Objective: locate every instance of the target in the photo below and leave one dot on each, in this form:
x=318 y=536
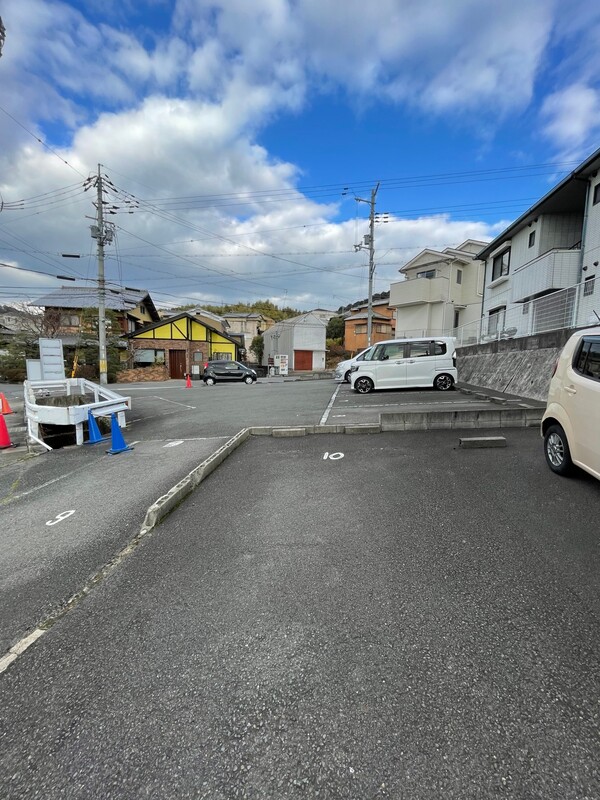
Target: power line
x=37 y=138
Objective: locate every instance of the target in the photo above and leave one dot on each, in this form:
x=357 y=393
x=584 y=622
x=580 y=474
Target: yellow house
x=182 y=343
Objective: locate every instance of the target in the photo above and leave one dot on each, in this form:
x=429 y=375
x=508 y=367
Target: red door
x=177 y=363
x=303 y=359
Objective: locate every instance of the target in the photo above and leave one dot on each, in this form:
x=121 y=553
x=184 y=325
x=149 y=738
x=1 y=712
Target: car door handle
x=570 y=390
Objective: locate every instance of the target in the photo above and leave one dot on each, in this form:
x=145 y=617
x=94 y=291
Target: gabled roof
x=365 y=314
x=433 y=257
x=244 y=315
x=175 y=318
x=567 y=196
x=86 y=297
x=296 y=320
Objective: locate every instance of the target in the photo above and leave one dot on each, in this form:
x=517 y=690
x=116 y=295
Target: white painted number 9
x=60 y=517
x=333 y=456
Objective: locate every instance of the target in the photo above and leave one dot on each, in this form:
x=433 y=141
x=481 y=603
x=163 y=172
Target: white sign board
x=52 y=359
x=282 y=363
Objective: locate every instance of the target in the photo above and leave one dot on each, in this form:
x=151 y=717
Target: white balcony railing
x=554 y=270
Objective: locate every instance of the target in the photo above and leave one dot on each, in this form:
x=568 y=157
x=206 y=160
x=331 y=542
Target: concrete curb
x=165 y=504
x=436 y=420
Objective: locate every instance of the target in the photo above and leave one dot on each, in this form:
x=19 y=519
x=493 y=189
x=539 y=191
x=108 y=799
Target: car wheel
x=347 y=377
x=443 y=382
x=556 y=448
x=209 y=381
x=248 y=379
x=363 y=385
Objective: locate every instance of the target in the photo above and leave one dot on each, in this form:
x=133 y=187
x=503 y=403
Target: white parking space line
x=173 y=444
x=328 y=409
x=165 y=400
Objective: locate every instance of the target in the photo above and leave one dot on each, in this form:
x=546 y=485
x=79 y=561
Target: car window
x=419 y=349
x=393 y=350
x=366 y=355
x=587 y=361
x=439 y=348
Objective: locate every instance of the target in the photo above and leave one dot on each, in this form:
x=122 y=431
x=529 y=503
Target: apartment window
x=496 y=319
x=597 y=194
x=456 y=319
x=459 y=275
x=428 y=273
x=531 y=238
x=501 y=264
x=142 y=309
x=358 y=329
x=589 y=283
x=525 y=309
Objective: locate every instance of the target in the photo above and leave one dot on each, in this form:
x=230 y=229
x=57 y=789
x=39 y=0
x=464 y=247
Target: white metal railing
x=574 y=307
x=105 y=402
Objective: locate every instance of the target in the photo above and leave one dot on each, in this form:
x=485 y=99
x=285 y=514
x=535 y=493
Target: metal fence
x=574 y=307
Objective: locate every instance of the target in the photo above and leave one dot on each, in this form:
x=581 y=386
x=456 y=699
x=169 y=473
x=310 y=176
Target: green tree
x=335 y=329
x=258 y=348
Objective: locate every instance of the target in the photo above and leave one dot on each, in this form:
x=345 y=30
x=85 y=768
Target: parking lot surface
x=333 y=617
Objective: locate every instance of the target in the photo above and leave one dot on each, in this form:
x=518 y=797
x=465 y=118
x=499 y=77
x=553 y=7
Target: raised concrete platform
x=481 y=441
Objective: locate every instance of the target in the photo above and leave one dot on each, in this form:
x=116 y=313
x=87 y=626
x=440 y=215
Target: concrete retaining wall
x=517 y=366
x=522 y=372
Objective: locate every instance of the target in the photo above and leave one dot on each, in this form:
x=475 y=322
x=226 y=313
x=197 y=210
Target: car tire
x=209 y=381
x=556 y=450
x=248 y=379
x=347 y=377
x=443 y=382
x=363 y=385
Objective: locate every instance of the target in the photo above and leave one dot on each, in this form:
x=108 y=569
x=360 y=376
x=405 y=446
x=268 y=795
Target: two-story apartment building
x=442 y=290
x=542 y=272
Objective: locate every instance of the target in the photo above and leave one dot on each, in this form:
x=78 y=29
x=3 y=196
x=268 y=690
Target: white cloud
x=175 y=111
x=571 y=116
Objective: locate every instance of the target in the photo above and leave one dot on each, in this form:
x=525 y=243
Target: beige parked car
x=571 y=422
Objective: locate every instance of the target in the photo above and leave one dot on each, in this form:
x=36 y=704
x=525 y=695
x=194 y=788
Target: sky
x=240 y=141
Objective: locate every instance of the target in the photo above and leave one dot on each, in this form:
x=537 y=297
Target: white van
x=404 y=363
x=343 y=369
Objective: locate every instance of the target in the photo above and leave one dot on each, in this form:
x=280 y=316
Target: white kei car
x=571 y=422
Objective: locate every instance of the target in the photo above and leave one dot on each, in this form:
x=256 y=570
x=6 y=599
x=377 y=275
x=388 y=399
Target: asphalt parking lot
x=332 y=616
x=383 y=615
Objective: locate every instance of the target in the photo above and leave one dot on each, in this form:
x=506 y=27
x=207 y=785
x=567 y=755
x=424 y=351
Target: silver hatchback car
x=571 y=422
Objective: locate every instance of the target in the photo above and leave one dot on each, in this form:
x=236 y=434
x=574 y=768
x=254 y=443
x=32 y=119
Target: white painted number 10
x=333 y=456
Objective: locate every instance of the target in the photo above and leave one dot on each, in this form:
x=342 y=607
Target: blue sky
x=244 y=130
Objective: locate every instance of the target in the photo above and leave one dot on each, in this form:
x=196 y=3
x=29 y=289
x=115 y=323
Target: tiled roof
x=84 y=297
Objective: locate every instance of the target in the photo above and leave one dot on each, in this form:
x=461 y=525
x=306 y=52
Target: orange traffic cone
x=188 y=382
x=4 y=437
x=4 y=407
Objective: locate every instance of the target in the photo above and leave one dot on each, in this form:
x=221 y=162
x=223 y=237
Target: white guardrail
x=105 y=403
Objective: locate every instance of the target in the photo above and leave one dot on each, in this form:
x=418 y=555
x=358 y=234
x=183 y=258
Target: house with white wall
x=441 y=290
x=542 y=273
x=301 y=338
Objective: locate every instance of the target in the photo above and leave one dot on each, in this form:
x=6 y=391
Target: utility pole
x=369 y=243
x=102 y=233
x=101 y=285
